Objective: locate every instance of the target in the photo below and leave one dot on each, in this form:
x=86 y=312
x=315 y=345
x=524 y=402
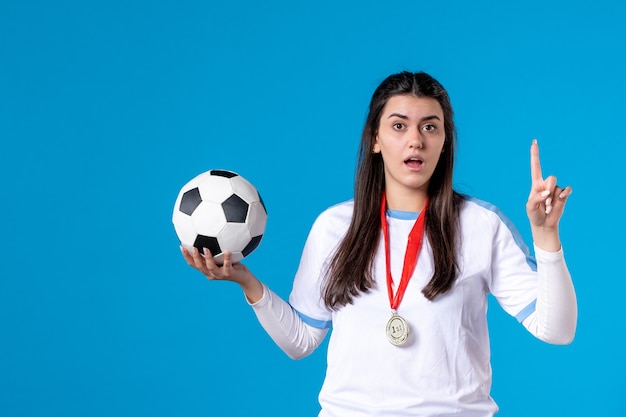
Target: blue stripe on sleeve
x=530 y=260
x=526 y=311
x=318 y=324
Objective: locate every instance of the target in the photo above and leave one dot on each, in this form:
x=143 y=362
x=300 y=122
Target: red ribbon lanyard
x=413 y=246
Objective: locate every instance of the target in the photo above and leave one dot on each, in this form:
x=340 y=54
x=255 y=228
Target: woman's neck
x=406 y=201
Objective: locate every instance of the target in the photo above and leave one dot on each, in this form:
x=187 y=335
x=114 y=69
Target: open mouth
x=414 y=162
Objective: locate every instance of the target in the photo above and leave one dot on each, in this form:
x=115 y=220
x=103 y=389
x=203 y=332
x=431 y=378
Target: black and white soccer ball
x=221 y=211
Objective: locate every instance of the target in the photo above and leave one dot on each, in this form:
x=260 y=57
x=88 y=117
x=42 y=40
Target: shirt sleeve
x=282 y=323
x=306 y=295
x=556 y=313
x=538 y=291
x=513 y=271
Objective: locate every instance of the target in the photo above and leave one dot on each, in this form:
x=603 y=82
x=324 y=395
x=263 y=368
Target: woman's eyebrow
x=423 y=119
x=431 y=117
x=401 y=116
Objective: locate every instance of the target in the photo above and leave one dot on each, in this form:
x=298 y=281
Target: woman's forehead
x=411 y=106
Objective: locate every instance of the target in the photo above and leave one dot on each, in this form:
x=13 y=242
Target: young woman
x=402 y=271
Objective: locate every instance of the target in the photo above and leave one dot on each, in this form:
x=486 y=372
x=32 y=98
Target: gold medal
x=397 y=330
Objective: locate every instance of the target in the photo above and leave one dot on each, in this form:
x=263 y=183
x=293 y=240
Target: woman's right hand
x=228 y=271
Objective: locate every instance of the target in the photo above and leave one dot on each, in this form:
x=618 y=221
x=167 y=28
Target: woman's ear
x=376 y=148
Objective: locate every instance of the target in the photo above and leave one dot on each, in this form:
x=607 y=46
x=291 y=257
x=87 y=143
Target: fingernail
x=545 y=193
x=548 y=201
x=562 y=195
x=535 y=141
x=548 y=209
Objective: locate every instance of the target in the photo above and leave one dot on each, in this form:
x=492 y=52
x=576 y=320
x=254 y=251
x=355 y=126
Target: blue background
x=107 y=108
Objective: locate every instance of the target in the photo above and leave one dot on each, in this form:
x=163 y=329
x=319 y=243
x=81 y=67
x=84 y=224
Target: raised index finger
x=535 y=165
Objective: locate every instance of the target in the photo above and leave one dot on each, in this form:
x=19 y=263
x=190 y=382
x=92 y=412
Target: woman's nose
x=416 y=139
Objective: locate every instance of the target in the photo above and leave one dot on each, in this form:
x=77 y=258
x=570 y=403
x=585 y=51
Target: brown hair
x=350 y=269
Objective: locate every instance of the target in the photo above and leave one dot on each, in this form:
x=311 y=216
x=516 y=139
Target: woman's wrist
x=252 y=288
x=548 y=240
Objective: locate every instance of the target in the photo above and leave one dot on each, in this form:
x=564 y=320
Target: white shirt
x=444 y=367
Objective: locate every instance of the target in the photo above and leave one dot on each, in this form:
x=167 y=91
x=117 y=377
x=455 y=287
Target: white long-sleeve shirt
x=444 y=368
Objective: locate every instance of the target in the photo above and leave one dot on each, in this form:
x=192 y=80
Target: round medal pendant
x=397 y=330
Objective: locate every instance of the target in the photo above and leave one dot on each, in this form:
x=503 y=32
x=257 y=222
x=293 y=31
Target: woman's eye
x=429 y=128
x=398 y=126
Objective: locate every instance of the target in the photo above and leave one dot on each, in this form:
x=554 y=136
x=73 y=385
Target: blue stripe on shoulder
x=526 y=311
x=318 y=324
x=530 y=260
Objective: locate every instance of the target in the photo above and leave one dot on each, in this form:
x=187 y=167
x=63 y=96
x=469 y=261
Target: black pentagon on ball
x=235 y=209
x=208 y=242
x=223 y=173
x=251 y=246
x=190 y=201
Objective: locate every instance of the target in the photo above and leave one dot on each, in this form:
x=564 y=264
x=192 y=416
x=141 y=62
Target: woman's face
x=410 y=140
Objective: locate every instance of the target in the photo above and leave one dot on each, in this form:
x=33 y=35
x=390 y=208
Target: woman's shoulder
x=333 y=222
x=477 y=211
x=337 y=214
x=473 y=204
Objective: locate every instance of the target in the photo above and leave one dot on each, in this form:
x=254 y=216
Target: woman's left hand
x=546 y=200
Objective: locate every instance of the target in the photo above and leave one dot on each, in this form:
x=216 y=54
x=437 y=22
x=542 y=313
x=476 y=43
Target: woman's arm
x=554 y=319
x=555 y=316
x=283 y=324
x=280 y=321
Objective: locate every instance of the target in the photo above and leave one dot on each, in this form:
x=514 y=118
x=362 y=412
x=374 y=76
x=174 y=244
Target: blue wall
x=107 y=108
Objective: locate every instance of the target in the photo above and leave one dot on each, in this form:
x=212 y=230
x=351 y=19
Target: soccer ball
x=221 y=211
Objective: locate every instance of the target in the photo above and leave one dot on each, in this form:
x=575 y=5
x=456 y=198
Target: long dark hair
x=350 y=269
